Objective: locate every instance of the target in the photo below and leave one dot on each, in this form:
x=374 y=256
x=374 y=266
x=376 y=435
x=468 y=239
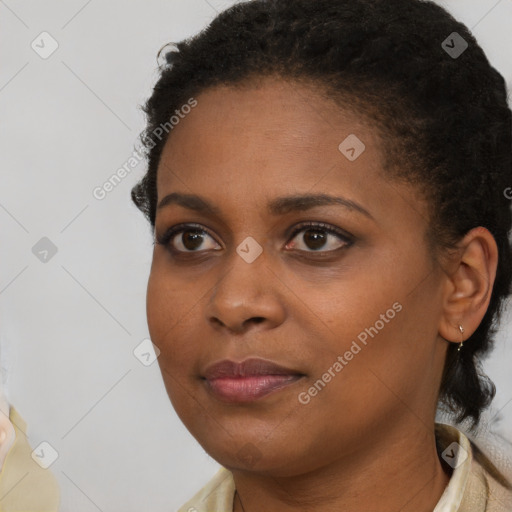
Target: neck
x=397 y=472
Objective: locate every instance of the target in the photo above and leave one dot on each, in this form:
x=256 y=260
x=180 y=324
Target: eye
x=317 y=235
x=189 y=238
x=193 y=238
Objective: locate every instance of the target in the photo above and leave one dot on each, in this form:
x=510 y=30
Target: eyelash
x=169 y=235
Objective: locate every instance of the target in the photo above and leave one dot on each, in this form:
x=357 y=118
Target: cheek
x=168 y=297
x=166 y=307
x=171 y=308
x=174 y=307
x=157 y=310
x=165 y=314
x=372 y=321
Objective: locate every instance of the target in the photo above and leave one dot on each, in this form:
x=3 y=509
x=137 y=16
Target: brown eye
x=192 y=240
x=188 y=239
x=318 y=236
x=314 y=239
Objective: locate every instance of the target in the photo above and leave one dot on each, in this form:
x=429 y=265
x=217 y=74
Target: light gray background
x=69 y=326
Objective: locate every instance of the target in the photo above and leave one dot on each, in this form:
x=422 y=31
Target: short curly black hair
x=444 y=117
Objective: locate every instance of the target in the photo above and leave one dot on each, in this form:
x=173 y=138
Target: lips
x=248 y=380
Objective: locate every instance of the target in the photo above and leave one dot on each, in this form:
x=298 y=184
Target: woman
x=331 y=253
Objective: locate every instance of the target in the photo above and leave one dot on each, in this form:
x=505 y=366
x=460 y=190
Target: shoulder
x=497 y=484
x=217 y=495
x=476 y=485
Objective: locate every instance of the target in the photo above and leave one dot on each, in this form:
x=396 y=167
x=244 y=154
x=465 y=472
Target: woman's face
x=350 y=308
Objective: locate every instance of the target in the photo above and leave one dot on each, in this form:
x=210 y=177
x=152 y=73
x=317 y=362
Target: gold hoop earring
x=461 y=329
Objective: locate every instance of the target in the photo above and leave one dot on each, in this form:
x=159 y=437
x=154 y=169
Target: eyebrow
x=278 y=206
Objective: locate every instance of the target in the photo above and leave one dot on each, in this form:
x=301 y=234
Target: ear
x=468 y=285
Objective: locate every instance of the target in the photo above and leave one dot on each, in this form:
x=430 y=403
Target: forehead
x=265 y=134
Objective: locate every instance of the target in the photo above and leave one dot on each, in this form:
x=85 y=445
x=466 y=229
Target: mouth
x=248 y=380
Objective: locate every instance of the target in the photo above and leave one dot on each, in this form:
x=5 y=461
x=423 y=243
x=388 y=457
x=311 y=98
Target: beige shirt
x=472 y=486
x=24 y=485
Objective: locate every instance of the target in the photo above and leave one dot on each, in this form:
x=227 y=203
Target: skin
x=366 y=441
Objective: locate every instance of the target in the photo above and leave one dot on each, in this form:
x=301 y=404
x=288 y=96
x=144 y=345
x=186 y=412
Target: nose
x=245 y=296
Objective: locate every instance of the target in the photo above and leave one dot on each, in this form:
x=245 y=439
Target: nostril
x=255 y=320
